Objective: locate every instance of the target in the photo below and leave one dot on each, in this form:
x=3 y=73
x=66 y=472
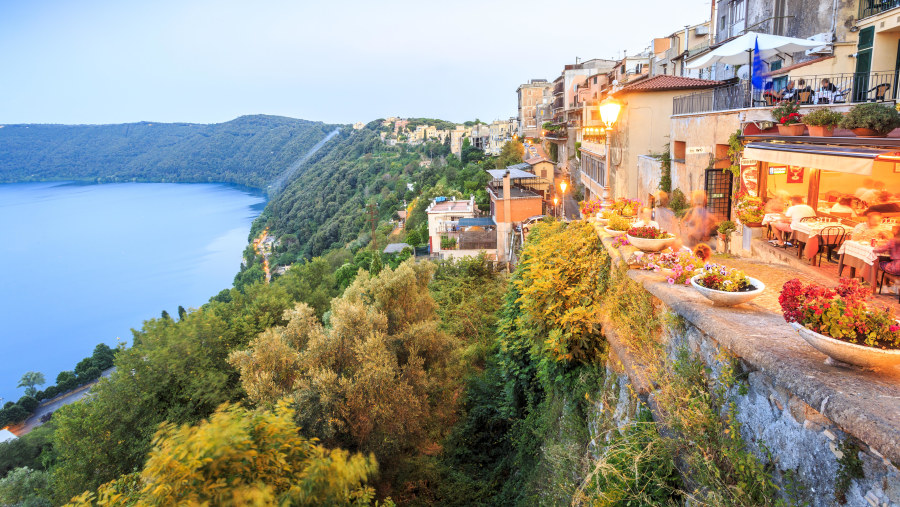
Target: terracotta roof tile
x=666 y=82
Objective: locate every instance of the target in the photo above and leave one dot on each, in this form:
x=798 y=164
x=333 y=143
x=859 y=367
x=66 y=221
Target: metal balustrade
x=849 y=88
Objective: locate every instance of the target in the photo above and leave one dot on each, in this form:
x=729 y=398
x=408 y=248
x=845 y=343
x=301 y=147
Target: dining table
x=859 y=255
x=810 y=234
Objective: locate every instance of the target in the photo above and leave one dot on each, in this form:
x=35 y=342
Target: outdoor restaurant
x=852 y=188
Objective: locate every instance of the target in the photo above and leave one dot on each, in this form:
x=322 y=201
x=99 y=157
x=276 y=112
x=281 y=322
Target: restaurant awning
x=845 y=159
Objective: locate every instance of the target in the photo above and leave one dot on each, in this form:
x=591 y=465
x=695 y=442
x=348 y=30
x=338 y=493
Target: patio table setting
x=860 y=255
x=810 y=234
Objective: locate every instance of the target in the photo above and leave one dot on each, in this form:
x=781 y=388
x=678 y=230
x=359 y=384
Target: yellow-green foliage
x=240 y=457
x=563 y=275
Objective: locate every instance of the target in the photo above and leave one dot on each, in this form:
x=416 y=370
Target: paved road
x=53 y=405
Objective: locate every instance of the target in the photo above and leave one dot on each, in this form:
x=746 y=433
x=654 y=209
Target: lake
x=83 y=264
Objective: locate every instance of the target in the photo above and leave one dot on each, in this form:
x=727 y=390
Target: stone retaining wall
x=796 y=408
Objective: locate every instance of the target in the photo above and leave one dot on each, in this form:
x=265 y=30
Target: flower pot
x=850 y=353
x=797 y=129
x=753 y=224
x=821 y=130
x=723 y=298
x=650 y=245
x=860 y=132
x=612 y=232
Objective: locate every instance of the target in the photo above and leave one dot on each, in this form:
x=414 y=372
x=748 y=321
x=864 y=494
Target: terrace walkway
x=863 y=403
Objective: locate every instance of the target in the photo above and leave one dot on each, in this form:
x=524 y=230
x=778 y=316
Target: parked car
x=530 y=221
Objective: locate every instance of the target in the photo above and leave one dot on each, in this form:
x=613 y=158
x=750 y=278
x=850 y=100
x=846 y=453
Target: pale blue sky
x=102 y=61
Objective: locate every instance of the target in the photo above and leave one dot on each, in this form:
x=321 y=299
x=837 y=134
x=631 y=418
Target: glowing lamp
x=562 y=186
x=609 y=111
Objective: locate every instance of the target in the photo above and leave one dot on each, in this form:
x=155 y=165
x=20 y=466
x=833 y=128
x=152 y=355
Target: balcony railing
x=477 y=240
x=845 y=89
x=872 y=7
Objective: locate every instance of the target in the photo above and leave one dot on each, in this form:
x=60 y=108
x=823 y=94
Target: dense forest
x=251 y=151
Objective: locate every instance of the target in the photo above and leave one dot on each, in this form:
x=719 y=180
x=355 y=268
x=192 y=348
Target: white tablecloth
x=863 y=251
x=768 y=218
x=814 y=228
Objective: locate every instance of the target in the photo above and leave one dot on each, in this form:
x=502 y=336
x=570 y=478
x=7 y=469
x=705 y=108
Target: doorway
x=718 y=192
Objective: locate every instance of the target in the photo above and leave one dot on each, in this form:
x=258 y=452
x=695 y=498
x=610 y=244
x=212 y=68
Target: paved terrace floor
x=864 y=403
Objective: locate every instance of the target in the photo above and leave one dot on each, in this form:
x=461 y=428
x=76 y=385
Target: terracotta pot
x=867 y=133
x=796 y=129
x=753 y=224
x=821 y=130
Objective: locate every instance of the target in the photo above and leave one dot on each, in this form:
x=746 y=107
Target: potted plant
x=725 y=228
x=749 y=209
x=627 y=207
x=726 y=287
x=821 y=122
x=649 y=239
x=678 y=268
x=871 y=120
x=787 y=115
x=589 y=208
x=841 y=324
x=605 y=215
x=617 y=226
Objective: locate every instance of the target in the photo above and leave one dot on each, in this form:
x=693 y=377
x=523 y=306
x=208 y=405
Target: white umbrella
x=736 y=52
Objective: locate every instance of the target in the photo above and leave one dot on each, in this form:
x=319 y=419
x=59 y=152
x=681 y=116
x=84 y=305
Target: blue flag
x=757 y=70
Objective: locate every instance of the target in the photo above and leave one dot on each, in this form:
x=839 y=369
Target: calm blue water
x=83 y=264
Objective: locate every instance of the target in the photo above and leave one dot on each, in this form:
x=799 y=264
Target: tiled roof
x=666 y=82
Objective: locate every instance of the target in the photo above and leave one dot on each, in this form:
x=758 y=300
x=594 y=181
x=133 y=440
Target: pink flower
x=894 y=328
x=671 y=281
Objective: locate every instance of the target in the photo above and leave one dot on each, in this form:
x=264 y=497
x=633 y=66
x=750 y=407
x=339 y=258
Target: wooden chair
x=805 y=97
x=880 y=92
x=830 y=240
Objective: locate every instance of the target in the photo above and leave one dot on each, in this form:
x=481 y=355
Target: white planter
x=850 y=353
x=602 y=221
x=722 y=298
x=650 y=245
x=612 y=232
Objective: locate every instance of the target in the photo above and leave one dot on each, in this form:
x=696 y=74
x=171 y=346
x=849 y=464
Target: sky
x=338 y=61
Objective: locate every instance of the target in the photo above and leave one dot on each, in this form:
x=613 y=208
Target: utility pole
x=370 y=209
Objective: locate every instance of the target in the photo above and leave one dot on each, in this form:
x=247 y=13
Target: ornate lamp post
x=609 y=113
x=555 y=212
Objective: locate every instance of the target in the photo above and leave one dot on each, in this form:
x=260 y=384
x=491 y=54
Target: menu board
x=749 y=176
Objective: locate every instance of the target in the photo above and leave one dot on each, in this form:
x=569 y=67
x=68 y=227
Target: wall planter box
x=820 y=130
x=850 y=353
x=723 y=298
x=796 y=129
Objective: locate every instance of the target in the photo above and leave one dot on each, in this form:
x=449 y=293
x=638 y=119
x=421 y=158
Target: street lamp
x=555 y=212
x=609 y=113
x=562 y=186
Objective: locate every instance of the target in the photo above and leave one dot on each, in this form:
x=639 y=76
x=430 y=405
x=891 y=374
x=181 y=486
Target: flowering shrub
x=589 y=207
x=841 y=313
x=627 y=207
x=683 y=265
x=718 y=277
x=618 y=223
x=648 y=233
x=786 y=113
x=749 y=208
x=607 y=214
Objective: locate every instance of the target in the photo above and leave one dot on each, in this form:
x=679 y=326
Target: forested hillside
x=325 y=206
x=250 y=151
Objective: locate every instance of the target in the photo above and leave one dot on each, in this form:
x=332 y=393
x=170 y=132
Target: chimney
x=507 y=203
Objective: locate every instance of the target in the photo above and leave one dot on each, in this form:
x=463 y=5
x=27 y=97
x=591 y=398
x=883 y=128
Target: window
x=679 y=149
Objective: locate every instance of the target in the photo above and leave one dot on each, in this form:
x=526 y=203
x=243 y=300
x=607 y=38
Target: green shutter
x=866 y=38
